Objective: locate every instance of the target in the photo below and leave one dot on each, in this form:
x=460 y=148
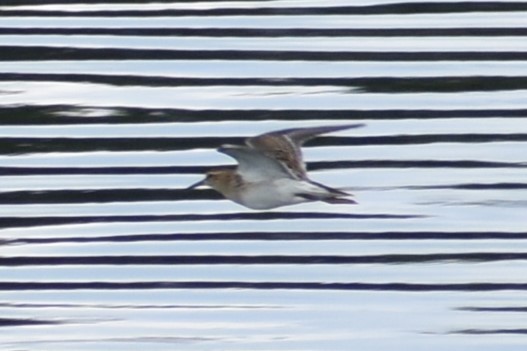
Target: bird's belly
x=267 y=195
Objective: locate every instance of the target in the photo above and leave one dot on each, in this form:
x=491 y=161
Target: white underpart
x=278 y=192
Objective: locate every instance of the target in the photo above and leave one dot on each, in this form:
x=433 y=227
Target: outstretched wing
x=284 y=145
x=253 y=165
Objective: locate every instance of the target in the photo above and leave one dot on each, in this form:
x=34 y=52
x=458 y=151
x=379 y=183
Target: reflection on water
x=108 y=113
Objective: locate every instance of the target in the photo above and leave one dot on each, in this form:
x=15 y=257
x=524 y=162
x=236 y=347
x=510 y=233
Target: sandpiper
x=271 y=171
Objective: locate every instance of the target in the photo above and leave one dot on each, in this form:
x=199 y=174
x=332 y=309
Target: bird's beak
x=195 y=185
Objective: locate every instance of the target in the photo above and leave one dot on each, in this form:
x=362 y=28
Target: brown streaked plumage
x=284 y=145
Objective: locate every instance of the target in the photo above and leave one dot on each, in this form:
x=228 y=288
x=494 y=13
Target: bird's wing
x=284 y=145
x=283 y=150
x=253 y=165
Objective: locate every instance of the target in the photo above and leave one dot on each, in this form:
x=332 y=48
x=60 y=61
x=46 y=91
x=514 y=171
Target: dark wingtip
x=340 y=200
x=353 y=125
x=333 y=191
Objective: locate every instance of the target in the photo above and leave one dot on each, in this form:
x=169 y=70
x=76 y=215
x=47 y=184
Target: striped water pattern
x=108 y=111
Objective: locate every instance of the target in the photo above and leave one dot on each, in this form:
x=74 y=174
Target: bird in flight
x=271 y=171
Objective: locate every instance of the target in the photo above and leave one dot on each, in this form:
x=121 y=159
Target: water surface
x=109 y=111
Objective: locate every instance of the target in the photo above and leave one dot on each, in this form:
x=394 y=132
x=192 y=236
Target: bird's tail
x=330 y=196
